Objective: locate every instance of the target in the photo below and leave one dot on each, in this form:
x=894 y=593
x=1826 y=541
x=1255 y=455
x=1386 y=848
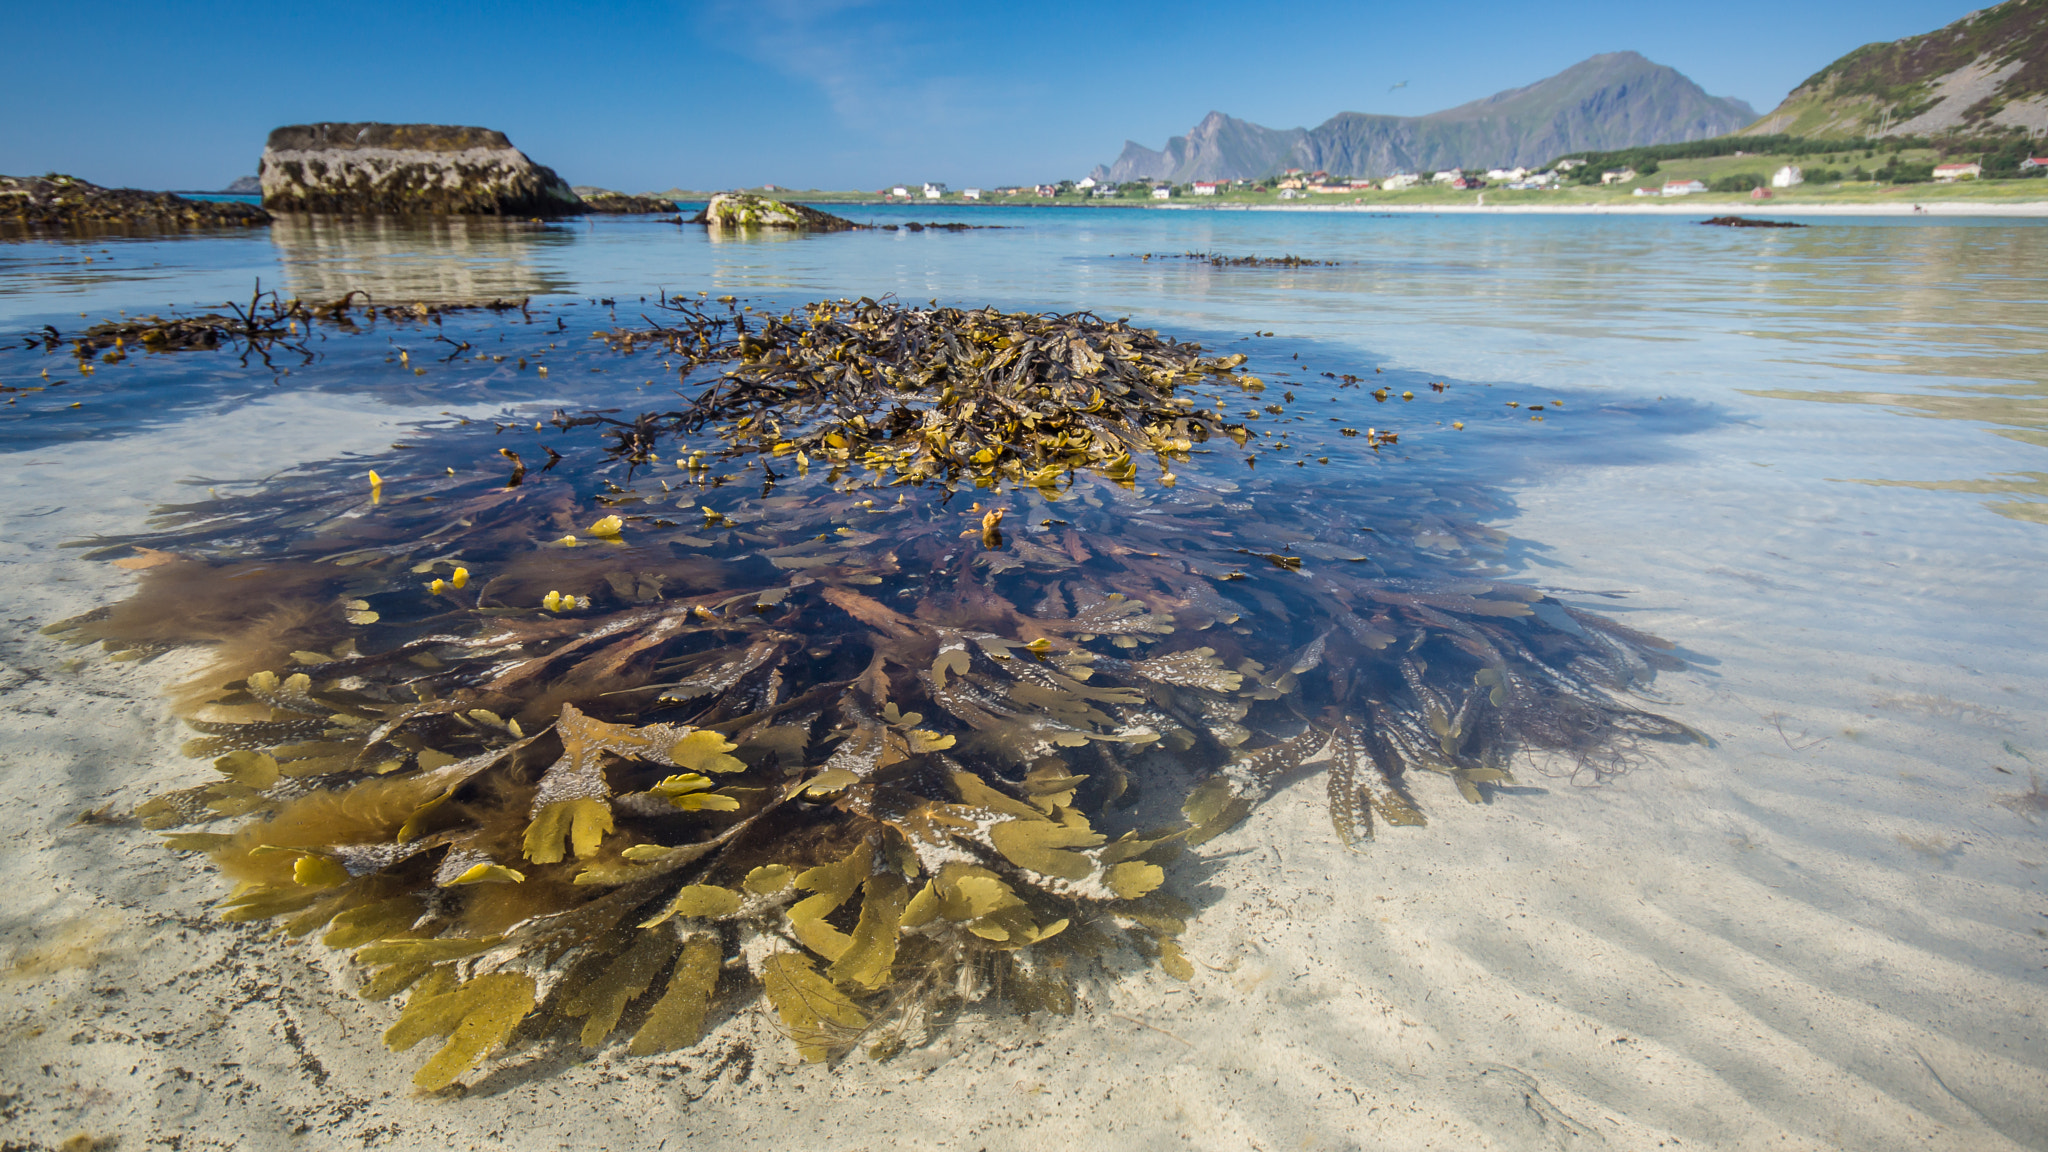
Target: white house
x=1293 y=194
x=1683 y=187
x=899 y=190
x=1447 y=176
x=971 y=193
x=1791 y=175
x=1507 y=174
x=1642 y=192
x=1400 y=180
x=1568 y=165
x=1207 y=187
x=1162 y=193
x=1617 y=176
x=1085 y=183
x=934 y=191
x=1950 y=173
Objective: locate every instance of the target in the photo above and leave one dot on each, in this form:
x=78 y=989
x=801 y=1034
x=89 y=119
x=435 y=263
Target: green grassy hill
x=1986 y=72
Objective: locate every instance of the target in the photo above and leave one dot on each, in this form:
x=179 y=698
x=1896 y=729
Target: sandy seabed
x=1827 y=931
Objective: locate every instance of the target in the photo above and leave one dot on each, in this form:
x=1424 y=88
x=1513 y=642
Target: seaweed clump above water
x=893 y=669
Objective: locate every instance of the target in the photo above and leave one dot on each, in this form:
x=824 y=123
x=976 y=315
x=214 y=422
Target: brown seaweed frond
x=569 y=758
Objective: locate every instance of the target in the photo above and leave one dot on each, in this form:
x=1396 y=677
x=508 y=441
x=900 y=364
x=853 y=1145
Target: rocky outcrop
x=622 y=204
x=68 y=202
x=407 y=169
x=245 y=186
x=746 y=210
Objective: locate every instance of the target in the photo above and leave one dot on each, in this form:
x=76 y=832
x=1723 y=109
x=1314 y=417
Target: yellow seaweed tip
x=461 y=578
x=489 y=874
x=607 y=528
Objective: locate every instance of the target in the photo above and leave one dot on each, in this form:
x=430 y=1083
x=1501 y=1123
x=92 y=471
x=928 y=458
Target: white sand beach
x=1933 y=205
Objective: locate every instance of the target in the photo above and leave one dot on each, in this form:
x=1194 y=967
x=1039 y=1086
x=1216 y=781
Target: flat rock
x=612 y=203
x=68 y=202
x=745 y=210
x=407 y=169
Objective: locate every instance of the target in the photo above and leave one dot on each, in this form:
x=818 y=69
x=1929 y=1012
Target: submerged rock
x=612 y=203
x=55 y=201
x=1745 y=222
x=746 y=210
x=429 y=169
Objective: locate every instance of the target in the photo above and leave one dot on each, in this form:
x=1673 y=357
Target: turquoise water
x=1815 y=458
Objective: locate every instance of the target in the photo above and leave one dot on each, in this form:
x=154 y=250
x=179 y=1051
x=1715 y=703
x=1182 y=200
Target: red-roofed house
x=2033 y=162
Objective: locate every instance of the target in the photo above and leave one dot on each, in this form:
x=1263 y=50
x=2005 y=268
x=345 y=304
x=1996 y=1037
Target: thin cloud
x=881 y=78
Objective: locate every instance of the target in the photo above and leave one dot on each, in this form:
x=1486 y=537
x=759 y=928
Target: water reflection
x=414 y=258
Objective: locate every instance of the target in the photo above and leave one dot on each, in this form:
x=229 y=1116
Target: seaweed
x=928 y=717
x=1219 y=260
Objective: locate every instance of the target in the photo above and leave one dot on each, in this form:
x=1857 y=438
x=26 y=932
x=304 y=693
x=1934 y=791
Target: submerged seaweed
x=574 y=751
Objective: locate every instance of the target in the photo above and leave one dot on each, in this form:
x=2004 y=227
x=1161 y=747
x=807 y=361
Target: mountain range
x=1988 y=70
x=1614 y=100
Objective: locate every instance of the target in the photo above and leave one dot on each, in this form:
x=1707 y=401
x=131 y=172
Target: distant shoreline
x=1686 y=206
x=1659 y=206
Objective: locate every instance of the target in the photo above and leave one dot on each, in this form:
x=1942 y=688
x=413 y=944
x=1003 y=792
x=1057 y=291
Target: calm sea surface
x=1815 y=458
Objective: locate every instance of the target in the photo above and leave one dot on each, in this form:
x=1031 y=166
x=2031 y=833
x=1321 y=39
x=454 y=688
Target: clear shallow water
x=1813 y=457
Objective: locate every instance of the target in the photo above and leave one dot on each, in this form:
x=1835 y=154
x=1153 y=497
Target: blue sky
x=832 y=93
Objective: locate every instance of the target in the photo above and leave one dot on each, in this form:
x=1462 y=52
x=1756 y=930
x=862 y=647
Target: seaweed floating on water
x=1219 y=260
x=579 y=753
x=267 y=322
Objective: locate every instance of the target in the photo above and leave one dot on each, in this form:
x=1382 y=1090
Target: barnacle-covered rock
x=407 y=169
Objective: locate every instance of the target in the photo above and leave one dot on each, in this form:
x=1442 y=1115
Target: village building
x=1400 y=180
x=1292 y=183
x=1508 y=175
x=1683 y=187
x=1790 y=176
x=2033 y=163
x=1950 y=173
x=971 y=193
x=1445 y=177
x=1085 y=183
x=934 y=191
x=1206 y=187
x=1293 y=194
x=1617 y=176
x=1568 y=165
x=899 y=190
x=1162 y=192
